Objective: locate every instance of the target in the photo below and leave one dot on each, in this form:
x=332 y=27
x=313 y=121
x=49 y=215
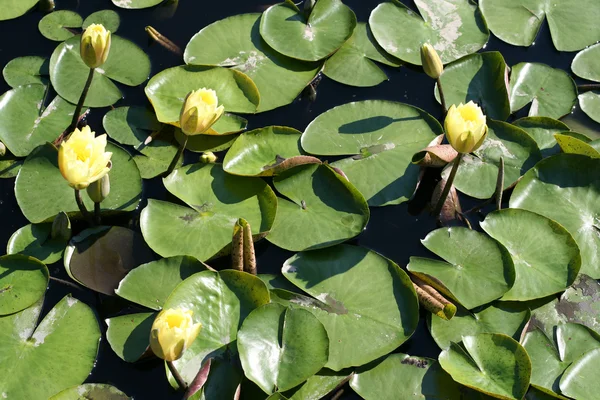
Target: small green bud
x=99 y=190
x=61 y=227
x=432 y=64
x=208 y=157
x=2 y=149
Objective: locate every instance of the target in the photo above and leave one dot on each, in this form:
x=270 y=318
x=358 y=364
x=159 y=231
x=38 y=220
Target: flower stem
x=180 y=382
x=82 y=208
x=78 y=109
x=447 y=186
x=177 y=156
x=442 y=97
x=588 y=87
x=97 y=217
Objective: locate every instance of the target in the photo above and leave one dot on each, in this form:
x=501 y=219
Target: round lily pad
x=35 y=240
x=56 y=25
x=574 y=145
x=220 y=301
x=136 y=4
x=167 y=90
x=56 y=355
x=551 y=91
x=129 y=335
x=354 y=63
x=590 y=104
x=491 y=363
x=318 y=385
x=383 y=308
x=518 y=21
x=42 y=192
x=477 y=269
x=126 y=64
x=586 y=65
x=23 y=282
x=235 y=42
x=404 y=377
x=91 y=391
x=381 y=137
x=481 y=78
x=281 y=347
x=565 y=188
x=542 y=130
x=99 y=258
x=545 y=255
x=216 y=200
x=291 y=32
x=26 y=71
x=478 y=172
x=454 y=29
x=15 y=8
x=581 y=380
x=108 y=18
x=323 y=209
x=154 y=158
x=130 y=125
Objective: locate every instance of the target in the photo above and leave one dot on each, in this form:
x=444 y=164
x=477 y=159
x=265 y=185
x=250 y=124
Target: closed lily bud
x=432 y=64
x=95 y=45
x=173 y=331
x=208 y=157
x=466 y=127
x=99 y=190
x=2 y=149
x=200 y=111
x=61 y=227
x=82 y=158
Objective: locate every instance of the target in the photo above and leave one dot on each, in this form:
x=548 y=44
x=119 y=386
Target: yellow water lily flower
x=95 y=45
x=82 y=158
x=200 y=111
x=173 y=331
x=466 y=127
x=431 y=61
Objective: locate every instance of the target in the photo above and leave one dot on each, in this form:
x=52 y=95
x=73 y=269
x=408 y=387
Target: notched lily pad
x=26 y=71
x=58 y=25
x=109 y=18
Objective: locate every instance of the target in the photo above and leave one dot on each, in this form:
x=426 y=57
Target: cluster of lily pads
x=514 y=302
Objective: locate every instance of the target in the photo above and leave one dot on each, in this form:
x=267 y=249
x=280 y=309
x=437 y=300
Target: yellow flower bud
x=208 y=157
x=82 y=158
x=95 y=45
x=173 y=331
x=199 y=111
x=432 y=64
x=466 y=127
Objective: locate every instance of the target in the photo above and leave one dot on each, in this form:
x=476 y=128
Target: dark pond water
x=394 y=231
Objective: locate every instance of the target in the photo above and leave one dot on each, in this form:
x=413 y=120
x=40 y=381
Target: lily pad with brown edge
x=383 y=308
x=491 y=363
x=581 y=380
x=477 y=269
x=215 y=200
x=574 y=145
x=542 y=130
x=379 y=137
x=566 y=188
x=129 y=335
x=99 y=258
x=42 y=192
x=36 y=240
x=405 y=377
x=26 y=70
x=323 y=209
x=91 y=391
x=265 y=152
x=23 y=282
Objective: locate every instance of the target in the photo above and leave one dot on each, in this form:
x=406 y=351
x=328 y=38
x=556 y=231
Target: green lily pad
x=573 y=145
x=217 y=200
x=536 y=394
x=150 y=284
x=542 y=130
x=235 y=42
x=99 y=258
x=492 y=363
x=545 y=255
x=381 y=137
x=15 y=8
x=91 y=391
x=26 y=70
x=590 y=104
x=154 y=159
x=108 y=18
x=454 y=29
x=281 y=347
x=24 y=124
x=586 y=65
x=42 y=192
x=478 y=172
x=55 y=26
x=498 y=317
x=581 y=380
x=290 y=32
x=566 y=188
x=23 y=282
x=551 y=91
x=383 y=308
x=136 y=4
x=56 y=355
x=263 y=152
x=35 y=240
x=126 y=64
x=518 y=21
x=223 y=381
x=318 y=385
x=220 y=301
x=323 y=209
x=203 y=143
x=404 y=377
x=481 y=78
x=130 y=125
x=354 y=63
x=477 y=269
x=9 y=165
x=129 y=335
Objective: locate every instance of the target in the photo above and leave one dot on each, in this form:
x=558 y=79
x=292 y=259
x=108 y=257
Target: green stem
x=180 y=382
x=447 y=186
x=78 y=109
x=82 y=208
x=588 y=87
x=177 y=156
x=97 y=216
x=442 y=97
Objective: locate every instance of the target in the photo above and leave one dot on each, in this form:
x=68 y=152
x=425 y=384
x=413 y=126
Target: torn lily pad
x=26 y=70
